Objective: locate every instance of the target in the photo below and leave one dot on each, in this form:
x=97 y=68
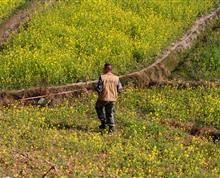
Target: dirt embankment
x=155 y=73
x=193 y=129
x=167 y=61
x=12 y=25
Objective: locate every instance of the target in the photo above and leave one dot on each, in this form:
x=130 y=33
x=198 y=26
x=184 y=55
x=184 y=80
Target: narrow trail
x=60 y=93
x=14 y=22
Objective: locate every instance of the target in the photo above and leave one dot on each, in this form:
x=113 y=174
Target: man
x=108 y=88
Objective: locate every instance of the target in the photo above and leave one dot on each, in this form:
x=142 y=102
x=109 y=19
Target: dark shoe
x=111 y=130
x=102 y=126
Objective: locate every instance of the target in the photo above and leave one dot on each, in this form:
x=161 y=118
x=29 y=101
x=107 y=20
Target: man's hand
x=99 y=86
x=85 y=90
x=119 y=87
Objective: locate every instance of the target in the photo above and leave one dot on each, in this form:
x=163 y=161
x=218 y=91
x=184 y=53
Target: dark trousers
x=109 y=107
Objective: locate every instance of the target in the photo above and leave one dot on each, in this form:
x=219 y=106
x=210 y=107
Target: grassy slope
x=72 y=40
x=34 y=139
x=7 y=7
x=203 y=60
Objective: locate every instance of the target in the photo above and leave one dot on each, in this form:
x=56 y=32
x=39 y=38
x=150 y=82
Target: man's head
x=107 y=68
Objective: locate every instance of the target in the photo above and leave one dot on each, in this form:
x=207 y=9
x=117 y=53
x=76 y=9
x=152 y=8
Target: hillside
x=202 y=62
x=71 y=40
x=165 y=129
x=8 y=7
x=63 y=140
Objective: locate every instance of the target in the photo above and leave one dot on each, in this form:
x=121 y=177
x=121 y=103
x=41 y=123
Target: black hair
x=107 y=65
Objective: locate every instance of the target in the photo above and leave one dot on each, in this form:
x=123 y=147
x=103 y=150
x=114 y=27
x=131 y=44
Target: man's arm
x=99 y=86
x=119 y=87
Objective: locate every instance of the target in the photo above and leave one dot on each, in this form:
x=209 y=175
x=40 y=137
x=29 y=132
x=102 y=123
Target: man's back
x=110 y=87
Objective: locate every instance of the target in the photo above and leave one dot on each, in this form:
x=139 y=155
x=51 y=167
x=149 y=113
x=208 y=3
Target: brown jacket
x=108 y=87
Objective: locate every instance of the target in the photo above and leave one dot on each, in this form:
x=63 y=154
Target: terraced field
x=7 y=7
x=70 y=41
x=203 y=60
x=64 y=140
x=160 y=131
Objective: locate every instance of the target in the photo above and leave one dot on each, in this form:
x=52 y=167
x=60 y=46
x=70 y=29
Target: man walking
x=108 y=88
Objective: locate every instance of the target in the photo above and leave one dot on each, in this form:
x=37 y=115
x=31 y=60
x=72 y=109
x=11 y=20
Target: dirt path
x=12 y=25
x=73 y=90
x=60 y=93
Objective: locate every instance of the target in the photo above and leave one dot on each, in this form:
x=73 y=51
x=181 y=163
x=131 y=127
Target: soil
x=22 y=16
x=194 y=129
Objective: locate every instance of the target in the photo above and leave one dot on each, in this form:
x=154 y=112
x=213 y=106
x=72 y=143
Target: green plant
x=66 y=138
x=70 y=41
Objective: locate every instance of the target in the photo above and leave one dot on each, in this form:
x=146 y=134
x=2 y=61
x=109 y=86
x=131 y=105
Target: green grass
x=35 y=139
x=203 y=60
x=71 y=41
x=7 y=7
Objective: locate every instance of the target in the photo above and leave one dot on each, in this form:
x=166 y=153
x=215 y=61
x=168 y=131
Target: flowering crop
x=70 y=41
x=8 y=6
x=65 y=137
x=196 y=105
